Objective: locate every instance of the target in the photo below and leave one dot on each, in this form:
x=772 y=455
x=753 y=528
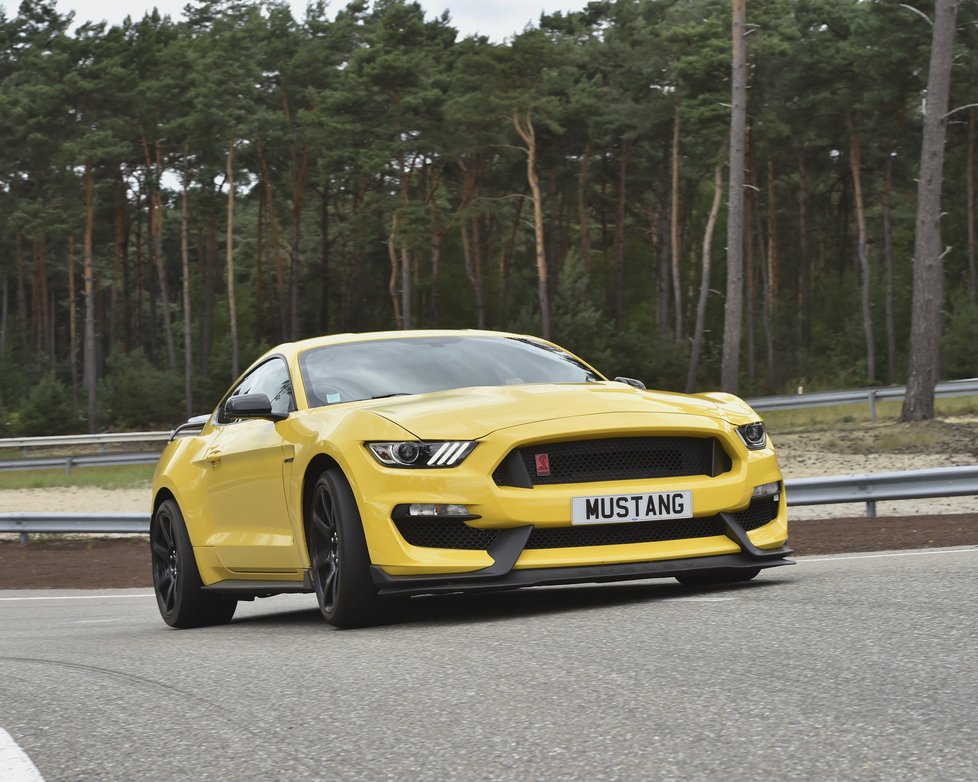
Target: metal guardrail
x=869 y=395
x=84 y=439
x=68 y=462
x=869 y=488
x=875 y=487
x=98 y=523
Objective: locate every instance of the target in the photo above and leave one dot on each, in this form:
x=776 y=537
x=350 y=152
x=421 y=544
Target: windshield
x=417 y=365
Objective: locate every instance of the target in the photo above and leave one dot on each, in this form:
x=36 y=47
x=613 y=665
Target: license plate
x=618 y=508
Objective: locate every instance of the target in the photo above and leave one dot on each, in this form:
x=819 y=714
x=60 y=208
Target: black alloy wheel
x=176 y=580
x=163 y=542
x=324 y=548
x=338 y=556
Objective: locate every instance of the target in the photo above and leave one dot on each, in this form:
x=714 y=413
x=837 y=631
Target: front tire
x=717 y=576
x=338 y=556
x=176 y=580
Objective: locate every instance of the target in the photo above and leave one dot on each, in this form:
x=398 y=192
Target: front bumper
x=508 y=547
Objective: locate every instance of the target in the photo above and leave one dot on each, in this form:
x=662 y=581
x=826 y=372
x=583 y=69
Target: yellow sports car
x=371 y=467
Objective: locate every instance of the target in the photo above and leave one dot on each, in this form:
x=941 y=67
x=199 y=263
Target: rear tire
x=339 y=558
x=176 y=580
x=718 y=576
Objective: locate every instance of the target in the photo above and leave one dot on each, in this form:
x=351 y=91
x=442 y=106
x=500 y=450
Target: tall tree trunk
x=3 y=325
x=473 y=266
x=260 y=269
x=209 y=250
x=660 y=274
x=523 y=123
x=41 y=303
x=137 y=321
x=733 y=309
x=325 y=244
x=392 y=281
x=750 y=272
x=22 y=312
x=886 y=209
x=771 y=278
x=283 y=297
x=582 y=219
x=505 y=260
x=118 y=223
x=188 y=360
x=619 y=282
x=155 y=165
x=674 y=247
x=295 y=256
x=88 y=275
x=232 y=303
x=862 y=251
x=928 y=261
x=804 y=262
x=436 y=239
x=72 y=322
x=407 y=316
x=970 y=210
x=694 y=356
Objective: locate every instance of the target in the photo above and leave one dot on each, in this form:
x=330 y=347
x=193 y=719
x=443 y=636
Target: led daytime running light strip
x=448 y=454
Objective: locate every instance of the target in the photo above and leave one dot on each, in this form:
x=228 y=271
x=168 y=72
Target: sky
x=498 y=19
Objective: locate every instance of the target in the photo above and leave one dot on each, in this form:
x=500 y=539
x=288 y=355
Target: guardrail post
x=872 y=408
x=23 y=538
x=871 y=509
x=67 y=467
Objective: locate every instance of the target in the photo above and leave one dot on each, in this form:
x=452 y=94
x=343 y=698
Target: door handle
x=213 y=458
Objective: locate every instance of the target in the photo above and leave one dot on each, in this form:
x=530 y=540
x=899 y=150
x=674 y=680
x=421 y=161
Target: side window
x=272 y=380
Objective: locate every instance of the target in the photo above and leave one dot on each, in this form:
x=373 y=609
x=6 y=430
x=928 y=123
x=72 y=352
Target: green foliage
x=47 y=411
x=377 y=167
x=959 y=355
x=136 y=393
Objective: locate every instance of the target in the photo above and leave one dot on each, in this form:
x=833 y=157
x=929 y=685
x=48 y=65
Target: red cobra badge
x=543 y=464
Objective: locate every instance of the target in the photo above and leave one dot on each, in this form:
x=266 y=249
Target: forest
x=178 y=195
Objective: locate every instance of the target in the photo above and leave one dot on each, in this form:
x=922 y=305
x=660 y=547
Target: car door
x=249 y=467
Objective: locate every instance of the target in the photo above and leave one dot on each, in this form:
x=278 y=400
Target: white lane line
x=923 y=553
x=77 y=597
x=15 y=766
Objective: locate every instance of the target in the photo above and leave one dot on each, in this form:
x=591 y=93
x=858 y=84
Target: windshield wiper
x=385 y=396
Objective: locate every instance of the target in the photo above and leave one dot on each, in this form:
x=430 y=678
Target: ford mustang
x=368 y=468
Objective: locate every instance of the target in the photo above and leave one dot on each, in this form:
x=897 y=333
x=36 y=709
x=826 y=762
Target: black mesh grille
x=618 y=459
x=444 y=533
x=633 y=532
x=456 y=534
x=758 y=513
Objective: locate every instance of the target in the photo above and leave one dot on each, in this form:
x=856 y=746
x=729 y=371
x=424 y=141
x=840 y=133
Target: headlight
x=753 y=435
x=421 y=455
x=766 y=490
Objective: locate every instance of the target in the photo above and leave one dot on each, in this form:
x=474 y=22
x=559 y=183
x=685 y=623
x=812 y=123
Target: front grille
x=444 y=533
x=760 y=512
x=456 y=534
x=612 y=459
x=616 y=534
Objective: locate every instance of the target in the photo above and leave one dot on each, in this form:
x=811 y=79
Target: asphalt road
x=856 y=667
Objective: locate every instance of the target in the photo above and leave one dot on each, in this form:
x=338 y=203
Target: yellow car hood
x=471 y=413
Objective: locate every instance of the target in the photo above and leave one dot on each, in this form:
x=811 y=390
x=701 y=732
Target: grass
x=134 y=476
x=821 y=418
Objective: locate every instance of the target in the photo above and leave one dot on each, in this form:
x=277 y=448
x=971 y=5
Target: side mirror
x=251 y=406
x=631 y=381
